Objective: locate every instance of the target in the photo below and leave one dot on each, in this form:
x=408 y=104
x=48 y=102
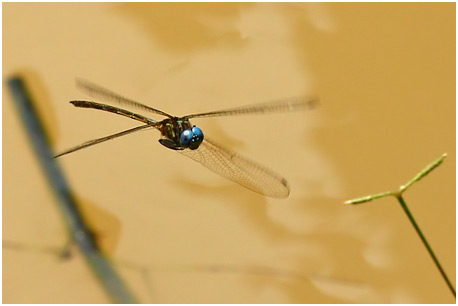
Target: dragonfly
x=178 y=134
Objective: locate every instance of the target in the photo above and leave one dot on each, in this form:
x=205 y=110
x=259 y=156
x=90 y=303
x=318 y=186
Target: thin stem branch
x=369 y=198
x=424 y=172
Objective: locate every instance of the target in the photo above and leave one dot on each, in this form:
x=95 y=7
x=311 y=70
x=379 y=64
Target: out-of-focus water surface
x=385 y=75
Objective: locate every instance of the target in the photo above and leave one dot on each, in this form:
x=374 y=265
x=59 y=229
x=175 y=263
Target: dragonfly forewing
x=103 y=139
x=97 y=91
x=239 y=169
x=276 y=106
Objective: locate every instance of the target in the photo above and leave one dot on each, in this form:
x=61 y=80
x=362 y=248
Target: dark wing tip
x=281 y=194
x=284 y=182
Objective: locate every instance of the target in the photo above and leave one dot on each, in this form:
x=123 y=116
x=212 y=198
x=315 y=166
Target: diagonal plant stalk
x=78 y=230
x=398 y=195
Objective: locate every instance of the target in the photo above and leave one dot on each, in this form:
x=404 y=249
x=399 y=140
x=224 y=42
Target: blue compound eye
x=185 y=138
x=197 y=138
x=198 y=134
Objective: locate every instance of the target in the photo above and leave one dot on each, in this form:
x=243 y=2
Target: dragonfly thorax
x=179 y=134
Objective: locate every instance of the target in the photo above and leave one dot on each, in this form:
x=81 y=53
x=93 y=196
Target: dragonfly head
x=192 y=138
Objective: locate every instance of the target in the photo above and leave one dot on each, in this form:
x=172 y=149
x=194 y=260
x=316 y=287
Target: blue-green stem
x=78 y=230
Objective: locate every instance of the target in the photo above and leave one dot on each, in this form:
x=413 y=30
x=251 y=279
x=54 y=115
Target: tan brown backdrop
x=385 y=75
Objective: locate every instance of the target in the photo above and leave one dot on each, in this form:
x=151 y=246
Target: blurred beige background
x=385 y=75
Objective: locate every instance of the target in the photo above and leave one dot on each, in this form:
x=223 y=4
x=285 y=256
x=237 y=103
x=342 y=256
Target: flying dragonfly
x=178 y=134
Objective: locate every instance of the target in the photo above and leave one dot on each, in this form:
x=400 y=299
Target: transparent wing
x=239 y=169
x=102 y=139
x=283 y=105
x=97 y=91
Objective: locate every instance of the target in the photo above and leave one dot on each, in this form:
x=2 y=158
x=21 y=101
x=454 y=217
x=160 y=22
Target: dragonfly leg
x=170 y=144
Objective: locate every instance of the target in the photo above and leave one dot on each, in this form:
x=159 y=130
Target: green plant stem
x=398 y=195
x=425 y=242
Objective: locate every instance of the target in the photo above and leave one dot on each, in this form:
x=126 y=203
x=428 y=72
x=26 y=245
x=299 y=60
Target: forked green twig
x=398 y=195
